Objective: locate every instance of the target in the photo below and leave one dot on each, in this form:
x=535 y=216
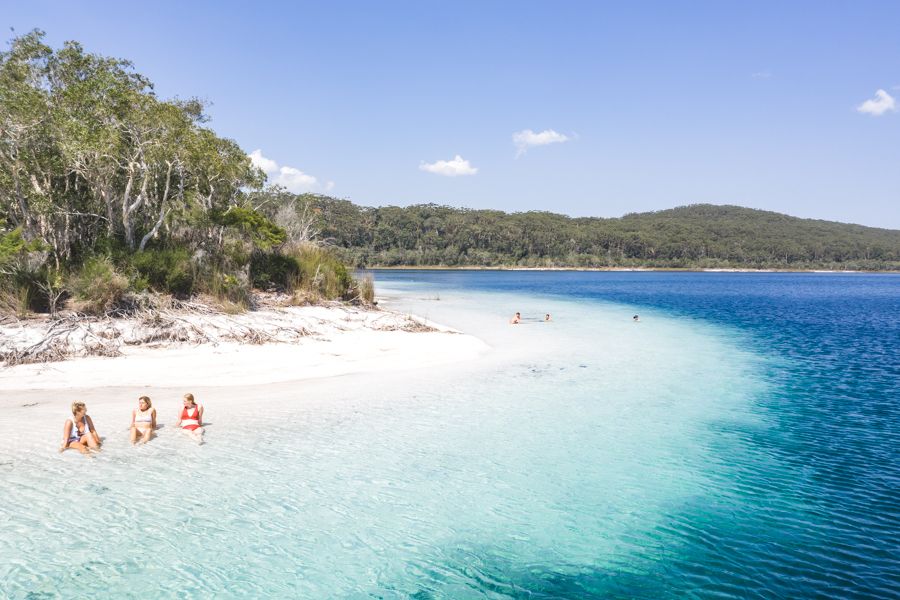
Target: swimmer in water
x=635 y=318
x=517 y=318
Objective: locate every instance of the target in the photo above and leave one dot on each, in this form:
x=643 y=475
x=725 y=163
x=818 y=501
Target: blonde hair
x=76 y=406
x=146 y=399
x=190 y=397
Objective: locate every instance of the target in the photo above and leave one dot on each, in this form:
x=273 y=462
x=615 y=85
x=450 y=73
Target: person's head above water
x=635 y=318
x=547 y=317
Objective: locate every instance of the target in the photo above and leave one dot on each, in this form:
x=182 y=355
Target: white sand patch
x=213 y=349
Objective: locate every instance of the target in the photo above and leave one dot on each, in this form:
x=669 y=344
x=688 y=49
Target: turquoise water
x=740 y=441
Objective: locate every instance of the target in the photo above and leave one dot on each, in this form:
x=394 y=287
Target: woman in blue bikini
x=79 y=432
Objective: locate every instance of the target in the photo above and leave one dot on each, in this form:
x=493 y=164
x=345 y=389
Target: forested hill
x=697 y=236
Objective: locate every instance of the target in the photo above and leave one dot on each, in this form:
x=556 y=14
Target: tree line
x=108 y=190
x=697 y=236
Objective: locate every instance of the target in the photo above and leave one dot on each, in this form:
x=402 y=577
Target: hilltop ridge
x=692 y=236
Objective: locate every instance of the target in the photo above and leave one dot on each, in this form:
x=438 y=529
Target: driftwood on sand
x=179 y=322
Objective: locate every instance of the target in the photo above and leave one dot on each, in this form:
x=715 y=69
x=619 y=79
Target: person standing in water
x=191 y=418
x=79 y=432
x=143 y=421
x=547 y=318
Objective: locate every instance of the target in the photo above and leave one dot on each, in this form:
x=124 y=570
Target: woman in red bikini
x=191 y=418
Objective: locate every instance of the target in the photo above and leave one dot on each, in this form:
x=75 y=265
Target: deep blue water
x=811 y=504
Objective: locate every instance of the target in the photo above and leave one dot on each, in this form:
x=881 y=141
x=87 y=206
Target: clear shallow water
x=741 y=441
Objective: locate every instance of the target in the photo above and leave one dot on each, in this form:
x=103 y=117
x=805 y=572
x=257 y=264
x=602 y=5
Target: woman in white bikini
x=191 y=418
x=143 y=421
x=79 y=432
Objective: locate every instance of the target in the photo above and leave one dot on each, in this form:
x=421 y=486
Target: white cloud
x=880 y=104
x=449 y=168
x=266 y=164
x=526 y=139
x=292 y=179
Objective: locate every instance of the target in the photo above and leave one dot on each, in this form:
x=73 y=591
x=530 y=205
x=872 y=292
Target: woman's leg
x=146 y=434
x=198 y=435
x=134 y=435
x=77 y=446
x=92 y=440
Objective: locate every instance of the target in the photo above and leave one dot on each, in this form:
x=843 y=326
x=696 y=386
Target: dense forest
x=109 y=195
x=698 y=236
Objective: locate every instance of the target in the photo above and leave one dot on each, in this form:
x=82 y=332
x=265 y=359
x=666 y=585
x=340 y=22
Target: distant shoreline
x=621 y=269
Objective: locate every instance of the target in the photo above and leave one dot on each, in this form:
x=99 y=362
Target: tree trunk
x=162 y=211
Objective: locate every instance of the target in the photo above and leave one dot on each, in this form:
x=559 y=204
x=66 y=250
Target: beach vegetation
x=367 y=289
x=97 y=286
x=108 y=190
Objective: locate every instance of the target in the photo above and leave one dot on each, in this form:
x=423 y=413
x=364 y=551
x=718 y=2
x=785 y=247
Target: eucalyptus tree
x=87 y=150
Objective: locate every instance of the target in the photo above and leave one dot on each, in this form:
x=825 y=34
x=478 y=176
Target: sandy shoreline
x=302 y=343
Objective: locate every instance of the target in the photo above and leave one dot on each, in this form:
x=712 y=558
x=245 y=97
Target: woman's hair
x=190 y=397
x=76 y=406
x=146 y=399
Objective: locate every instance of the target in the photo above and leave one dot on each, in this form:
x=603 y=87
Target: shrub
x=167 y=270
x=262 y=232
x=15 y=299
x=98 y=286
x=322 y=274
x=232 y=295
x=273 y=269
x=366 y=287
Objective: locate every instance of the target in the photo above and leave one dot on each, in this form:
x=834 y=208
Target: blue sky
x=652 y=105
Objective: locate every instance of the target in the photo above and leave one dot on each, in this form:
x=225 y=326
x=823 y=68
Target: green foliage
x=699 y=236
x=14 y=246
x=263 y=233
x=268 y=270
x=98 y=286
x=93 y=163
x=232 y=295
x=322 y=274
x=166 y=270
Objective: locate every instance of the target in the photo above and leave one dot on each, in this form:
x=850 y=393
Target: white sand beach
x=259 y=347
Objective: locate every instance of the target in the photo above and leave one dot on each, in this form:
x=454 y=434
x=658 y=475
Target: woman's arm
x=152 y=419
x=200 y=416
x=91 y=424
x=67 y=430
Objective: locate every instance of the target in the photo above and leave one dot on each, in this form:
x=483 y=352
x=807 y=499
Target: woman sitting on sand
x=191 y=418
x=79 y=432
x=143 y=421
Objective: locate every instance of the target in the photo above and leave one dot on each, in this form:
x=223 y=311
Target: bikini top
x=75 y=433
x=190 y=418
